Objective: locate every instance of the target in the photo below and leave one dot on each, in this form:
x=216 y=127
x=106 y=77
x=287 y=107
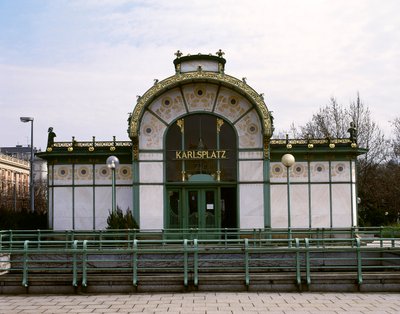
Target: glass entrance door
x=202 y=208
x=193 y=208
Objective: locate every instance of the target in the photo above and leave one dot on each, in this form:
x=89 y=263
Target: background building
x=14 y=186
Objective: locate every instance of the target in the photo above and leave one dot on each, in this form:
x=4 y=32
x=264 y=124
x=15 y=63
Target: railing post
x=39 y=237
x=196 y=262
x=298 y=272
x=308 y=266
x=359 y=262
x=11 y=238
x=74 y=264
x=380 y=235
x=135 y=262
x=185 y=262
x=101 y=239
x=84 y=264
x=246 y=261
x=25 y=264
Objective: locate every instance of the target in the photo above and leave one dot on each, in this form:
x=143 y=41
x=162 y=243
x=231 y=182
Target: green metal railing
x=247 y=253
x=14 y=236
x=190 y=259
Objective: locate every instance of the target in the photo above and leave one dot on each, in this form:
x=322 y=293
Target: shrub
x=118 y=220
x=23 y=220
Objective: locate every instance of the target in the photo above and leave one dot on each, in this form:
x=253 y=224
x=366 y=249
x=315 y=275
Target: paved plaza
x=206 y=303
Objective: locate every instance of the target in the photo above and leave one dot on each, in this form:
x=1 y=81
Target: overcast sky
x=77 y=65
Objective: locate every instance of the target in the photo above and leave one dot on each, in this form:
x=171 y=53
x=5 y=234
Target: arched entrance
x=201 y=173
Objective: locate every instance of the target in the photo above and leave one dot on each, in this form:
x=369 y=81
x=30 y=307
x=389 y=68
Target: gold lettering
x=200 y=154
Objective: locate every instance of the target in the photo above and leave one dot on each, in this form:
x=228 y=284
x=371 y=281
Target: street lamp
x=288 y=161
x=31 y=190
x=113 y=163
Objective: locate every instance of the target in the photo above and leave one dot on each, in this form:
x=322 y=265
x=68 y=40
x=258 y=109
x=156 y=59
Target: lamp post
x=288 y=161
x=31 y=190
x=113 y=163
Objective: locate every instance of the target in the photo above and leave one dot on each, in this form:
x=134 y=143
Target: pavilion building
x=201 y=155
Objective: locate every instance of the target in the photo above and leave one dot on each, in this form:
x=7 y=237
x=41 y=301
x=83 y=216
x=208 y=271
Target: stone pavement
x=206 y=303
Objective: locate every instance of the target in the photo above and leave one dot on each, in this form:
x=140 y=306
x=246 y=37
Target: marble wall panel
x=63 y=174
x=299 y=208
x=249 y=131
x=103 y=198
x=251 y=171
x=62 y=208
x=83 y=174
x=320 y=206
x=353 y=171
x=193 y=66
x=200 y=97
x=50 y=215
x=279 y=209
x=231 y=105
x=319 y=171
x=251 y=155
x=354 y=202
x=151 y=132
x=151 y=156
x=124 y=174
x=277 y=172
x=340 y=171
x=151 y=172
x=124 y=198
x=169 y=105
x=84 y=208
x=299 y=172
x=151 y=206
x=103 y=174
x=251 y=206
x=341 y=206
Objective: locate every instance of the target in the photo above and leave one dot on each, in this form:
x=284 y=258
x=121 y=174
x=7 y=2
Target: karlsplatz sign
x=200 y=154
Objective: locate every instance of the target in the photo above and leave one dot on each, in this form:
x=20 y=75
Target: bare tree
x=333 y=121
x=396 y=138
x=376 y=176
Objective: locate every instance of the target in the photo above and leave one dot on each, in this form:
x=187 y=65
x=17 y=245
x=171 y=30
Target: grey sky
x=78 y=65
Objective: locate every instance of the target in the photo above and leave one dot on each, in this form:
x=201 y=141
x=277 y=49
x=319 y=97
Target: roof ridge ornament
x=220 y=53
x=178 y=54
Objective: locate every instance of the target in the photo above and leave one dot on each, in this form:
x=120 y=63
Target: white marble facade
x=321 y=194
x=80 y=195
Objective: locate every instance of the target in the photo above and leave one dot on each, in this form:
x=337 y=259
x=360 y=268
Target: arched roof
x=200 y=77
